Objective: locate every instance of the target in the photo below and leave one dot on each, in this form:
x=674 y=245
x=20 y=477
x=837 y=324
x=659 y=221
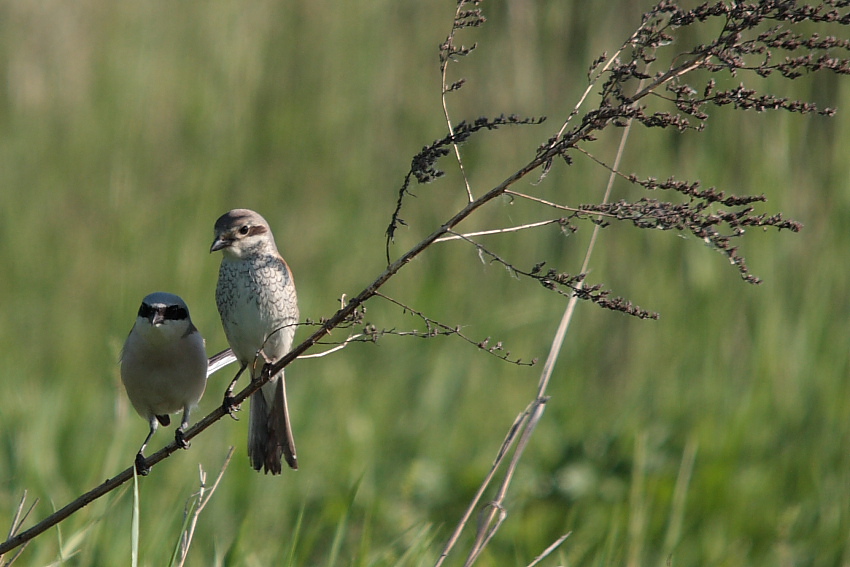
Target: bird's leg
x=184 y=425
x=141 y=467
x=228 y=405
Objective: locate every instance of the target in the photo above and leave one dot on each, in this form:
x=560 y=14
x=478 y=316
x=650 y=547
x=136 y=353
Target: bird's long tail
x=269 y=431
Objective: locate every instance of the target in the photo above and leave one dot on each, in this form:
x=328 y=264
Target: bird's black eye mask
x=171 y=312
x=146 y=311
x=176 y=313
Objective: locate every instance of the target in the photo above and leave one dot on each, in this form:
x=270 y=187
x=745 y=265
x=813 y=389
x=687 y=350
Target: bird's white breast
x=163 y=367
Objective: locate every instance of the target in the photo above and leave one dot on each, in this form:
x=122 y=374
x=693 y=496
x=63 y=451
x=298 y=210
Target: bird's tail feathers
x=269 y=431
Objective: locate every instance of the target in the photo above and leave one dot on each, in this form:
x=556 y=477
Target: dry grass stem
x=19 y=518
x=470 y=509
x=549 y=550
x=677 y=507
x=196 y=505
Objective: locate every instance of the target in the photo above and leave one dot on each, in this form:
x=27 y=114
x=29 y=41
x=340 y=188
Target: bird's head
x=165 y=314
x=242 y=232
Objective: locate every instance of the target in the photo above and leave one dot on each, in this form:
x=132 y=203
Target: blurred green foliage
x=126 y=128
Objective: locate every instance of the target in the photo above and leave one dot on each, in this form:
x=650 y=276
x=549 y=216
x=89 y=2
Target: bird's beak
x=219 y=243
x=158 y=318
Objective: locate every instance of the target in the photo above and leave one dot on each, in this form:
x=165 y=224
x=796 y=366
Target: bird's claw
x=142 y=469
x=180 y=439
x=229 y=406
x=266 y=372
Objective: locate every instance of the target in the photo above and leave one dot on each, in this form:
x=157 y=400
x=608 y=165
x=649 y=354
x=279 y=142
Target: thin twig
x=446 y=89
x=574 y=210
x=340 y=346
x=499 y=230
x=549 y=550
x=592 y=83
x=435 y=328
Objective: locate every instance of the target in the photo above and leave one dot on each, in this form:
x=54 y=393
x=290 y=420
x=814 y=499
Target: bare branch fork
x=433 y=328
x=436 y=328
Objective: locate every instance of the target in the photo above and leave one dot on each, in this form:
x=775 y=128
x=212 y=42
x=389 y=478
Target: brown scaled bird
x=259 y=311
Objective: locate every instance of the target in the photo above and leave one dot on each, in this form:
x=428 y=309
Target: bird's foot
x=180 y=440
x=142 y=469
x=229 y=406
x=267 y=364
x=267 y=370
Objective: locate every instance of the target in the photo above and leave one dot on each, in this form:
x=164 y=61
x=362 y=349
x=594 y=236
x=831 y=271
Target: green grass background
x=127 y=128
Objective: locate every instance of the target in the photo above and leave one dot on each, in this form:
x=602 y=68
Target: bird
x=256 y=299
x=163 y=366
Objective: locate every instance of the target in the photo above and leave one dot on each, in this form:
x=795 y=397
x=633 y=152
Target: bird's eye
x=146 y=311
x=244 y=230
x=176 y=313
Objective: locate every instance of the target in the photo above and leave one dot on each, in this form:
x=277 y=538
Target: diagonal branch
x=272 y=369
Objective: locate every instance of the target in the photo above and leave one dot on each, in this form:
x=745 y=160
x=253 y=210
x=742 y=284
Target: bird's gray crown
x=239 y=218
